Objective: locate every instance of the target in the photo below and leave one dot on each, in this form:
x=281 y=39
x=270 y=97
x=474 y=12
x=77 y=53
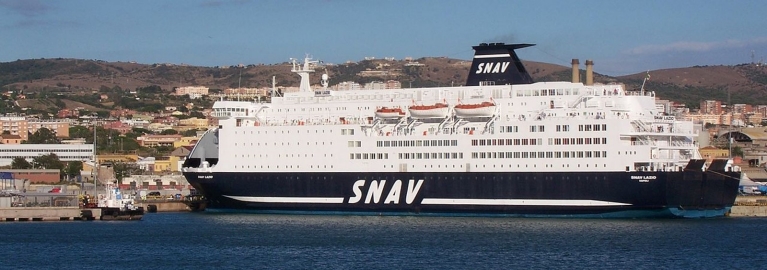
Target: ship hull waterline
x=689 y=194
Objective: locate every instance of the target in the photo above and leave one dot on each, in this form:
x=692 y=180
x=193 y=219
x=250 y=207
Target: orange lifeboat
x=484 y=109
x=438 y=110
x=389 y=113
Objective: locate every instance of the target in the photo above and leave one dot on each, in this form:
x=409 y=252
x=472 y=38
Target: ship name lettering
x=321 y=93
x=376 y=189
x=644 y=177
x=491 y=67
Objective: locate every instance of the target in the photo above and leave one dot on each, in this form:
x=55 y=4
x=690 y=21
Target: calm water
x=248 y=241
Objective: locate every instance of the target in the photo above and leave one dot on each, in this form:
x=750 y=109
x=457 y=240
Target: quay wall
x=165 y=206
x=47 y=213
x=749 y=206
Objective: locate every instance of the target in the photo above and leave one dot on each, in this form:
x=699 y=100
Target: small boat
x=389 y=113
x=438 y=110
x=484 y=109
x=116 y=206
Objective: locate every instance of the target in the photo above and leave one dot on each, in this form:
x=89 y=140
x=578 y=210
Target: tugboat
x=116 y=206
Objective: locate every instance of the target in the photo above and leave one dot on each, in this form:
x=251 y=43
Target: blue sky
x=622 y=37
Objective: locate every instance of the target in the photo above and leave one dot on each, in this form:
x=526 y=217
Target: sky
x=621 y=37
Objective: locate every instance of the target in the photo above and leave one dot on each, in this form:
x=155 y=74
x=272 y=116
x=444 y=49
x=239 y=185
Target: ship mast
x=303 y=72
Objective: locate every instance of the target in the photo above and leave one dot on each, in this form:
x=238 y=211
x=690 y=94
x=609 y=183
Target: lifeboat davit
x=438 y=110
x=484 y=109
x=389 y=113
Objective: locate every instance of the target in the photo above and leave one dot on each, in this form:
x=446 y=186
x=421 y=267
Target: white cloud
x=692 y=46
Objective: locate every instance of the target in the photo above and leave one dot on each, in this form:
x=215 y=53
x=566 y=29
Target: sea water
x=253 y=241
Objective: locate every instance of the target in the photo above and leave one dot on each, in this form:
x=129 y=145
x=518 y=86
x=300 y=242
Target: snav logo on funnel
x=492 y=67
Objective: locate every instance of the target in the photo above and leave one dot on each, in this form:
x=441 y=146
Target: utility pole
x=95 y=164
x=729 y=132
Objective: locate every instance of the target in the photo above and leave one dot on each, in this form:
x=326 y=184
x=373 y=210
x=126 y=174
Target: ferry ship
x=500 y=145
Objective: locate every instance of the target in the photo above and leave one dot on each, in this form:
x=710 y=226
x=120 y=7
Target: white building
x=65 y=152
x=193 y=91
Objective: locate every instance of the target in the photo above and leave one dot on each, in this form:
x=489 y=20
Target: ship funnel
x=589 y=72
x=576 y=71
x=497 y=64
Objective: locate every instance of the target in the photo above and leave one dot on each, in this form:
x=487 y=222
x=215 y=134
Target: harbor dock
x=48 y=214
x=749 y=206
x=76 y=213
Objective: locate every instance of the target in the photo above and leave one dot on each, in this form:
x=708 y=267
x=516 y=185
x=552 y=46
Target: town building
x=711 y=107
x=65 y=152
x=10 y=139
x=194 y=92
x=193 y=123
x=171 y=184
x=119 y=126
x=15 y=125
x=36 y=176
x=58 y=127
x=185 y=141
x=710 y=153
x=151 y=140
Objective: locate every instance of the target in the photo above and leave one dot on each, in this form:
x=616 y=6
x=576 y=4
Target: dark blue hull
x=581 y=194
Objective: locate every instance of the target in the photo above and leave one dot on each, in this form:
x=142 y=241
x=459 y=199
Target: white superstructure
x=546 y=126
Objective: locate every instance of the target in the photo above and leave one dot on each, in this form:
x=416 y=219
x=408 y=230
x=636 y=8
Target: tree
x=189 y=133
x=42 y=136
x=50 y=161
x=169 y=132
x=80 y=132
x=20 y=163
x=197 y=114
x=737 y=151
x=73 y=169
x=123 y=170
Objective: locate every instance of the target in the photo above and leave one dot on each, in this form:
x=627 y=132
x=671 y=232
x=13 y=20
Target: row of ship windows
x=566 y=141
x=430 y=155
x=280 y=155
x=507 y=142
x=369 y=156
x=547 y=92
x=417 y=143
x=296 y=131
x=594 y=127
x=559 y=128
x=503 y=129
x=283 y=167
x=552 y=141
x=282 y=144
x=501 y=166
x=392 y=166
x=549 y=154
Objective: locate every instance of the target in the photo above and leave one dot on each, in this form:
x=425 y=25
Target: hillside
x=64 y=77
x=746 y=83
